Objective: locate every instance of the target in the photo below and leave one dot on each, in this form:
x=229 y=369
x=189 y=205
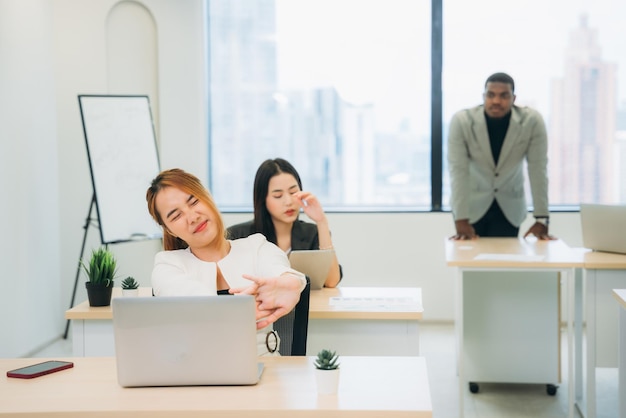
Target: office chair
x=293 y=328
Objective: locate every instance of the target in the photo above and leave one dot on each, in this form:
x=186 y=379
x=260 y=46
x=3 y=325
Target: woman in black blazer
x=278 y=198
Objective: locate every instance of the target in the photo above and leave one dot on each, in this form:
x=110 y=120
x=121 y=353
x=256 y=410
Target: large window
x=342 y=89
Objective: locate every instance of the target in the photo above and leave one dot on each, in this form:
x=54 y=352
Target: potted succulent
x=100 y=274
x=327 y=372
x=130 y=287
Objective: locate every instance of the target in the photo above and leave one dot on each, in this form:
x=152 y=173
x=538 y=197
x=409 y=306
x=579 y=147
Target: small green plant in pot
x=100 y=272
x=327 y=360
x=327 y=372
x=130 y=283
x=130 y=287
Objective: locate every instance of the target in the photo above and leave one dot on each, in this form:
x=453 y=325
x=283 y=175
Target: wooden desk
x=351 y=320
x=508 y=324
x=620 y=295
x=368 y=387
x=368 y=321
x=602 y=272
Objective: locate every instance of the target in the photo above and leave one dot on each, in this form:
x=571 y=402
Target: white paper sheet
x=382 y=304
x=510 y=257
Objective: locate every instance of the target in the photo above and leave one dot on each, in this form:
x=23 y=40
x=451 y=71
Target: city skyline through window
x=342 y=89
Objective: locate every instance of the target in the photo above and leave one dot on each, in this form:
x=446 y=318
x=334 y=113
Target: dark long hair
x=268 y=169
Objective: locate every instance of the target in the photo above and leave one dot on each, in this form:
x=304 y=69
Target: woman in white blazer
x=199 y=260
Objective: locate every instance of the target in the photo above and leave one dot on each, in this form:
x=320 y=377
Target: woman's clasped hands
x=275 y=296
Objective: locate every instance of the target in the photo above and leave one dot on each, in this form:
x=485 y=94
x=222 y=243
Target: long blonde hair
x=187 y=183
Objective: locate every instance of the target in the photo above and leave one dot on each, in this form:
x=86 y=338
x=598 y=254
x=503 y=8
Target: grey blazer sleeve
x=537 y=159
x=458 y=164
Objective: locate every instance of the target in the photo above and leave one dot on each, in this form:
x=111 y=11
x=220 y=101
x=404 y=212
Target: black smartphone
x=40 y=369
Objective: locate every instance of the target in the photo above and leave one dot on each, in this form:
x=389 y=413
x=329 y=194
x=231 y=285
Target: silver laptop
x=313 y=263
x=185 y=340
x=604 y=227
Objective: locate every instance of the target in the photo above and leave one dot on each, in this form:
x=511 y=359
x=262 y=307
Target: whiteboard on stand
x=123 y=160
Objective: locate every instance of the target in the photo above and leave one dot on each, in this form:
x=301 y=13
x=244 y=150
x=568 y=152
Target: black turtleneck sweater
x=497 y=131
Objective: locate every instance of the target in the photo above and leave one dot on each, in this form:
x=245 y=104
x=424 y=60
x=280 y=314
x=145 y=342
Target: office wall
x=53 y=50
x=29 y=184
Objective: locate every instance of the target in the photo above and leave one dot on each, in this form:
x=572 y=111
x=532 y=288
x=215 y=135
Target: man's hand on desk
x=464 y=230
x=540 y=231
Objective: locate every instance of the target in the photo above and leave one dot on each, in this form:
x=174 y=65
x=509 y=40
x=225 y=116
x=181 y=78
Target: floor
x=437 y=344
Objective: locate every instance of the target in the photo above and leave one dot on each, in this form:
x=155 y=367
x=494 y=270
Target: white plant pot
x=327 y=381
x=130 y=292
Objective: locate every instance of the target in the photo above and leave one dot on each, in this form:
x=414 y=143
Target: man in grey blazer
x=487 y=146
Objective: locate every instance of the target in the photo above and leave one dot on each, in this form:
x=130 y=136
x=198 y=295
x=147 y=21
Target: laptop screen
x=604 y=227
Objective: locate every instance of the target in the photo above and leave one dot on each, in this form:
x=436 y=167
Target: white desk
x=372 y=321
x=511 y=313
x=353 y=321
x=394 y=387
x=620 y=295
x=602 y=272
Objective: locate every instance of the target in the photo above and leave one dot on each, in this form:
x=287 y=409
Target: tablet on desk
x=313 y=263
